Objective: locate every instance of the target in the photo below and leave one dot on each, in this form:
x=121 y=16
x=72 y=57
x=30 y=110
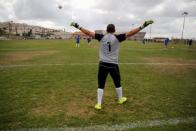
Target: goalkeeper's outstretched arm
x=85 y=31
x=128 y=34
x=132 y=32
x=136 y=30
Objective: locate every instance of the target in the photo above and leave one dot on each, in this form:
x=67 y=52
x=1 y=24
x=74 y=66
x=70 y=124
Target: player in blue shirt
x=166 y=42
x=77 y=38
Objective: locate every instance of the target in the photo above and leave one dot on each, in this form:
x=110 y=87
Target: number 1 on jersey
x=109 y=46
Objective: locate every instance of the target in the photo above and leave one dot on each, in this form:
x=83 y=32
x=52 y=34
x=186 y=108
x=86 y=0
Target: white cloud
x=96 y=14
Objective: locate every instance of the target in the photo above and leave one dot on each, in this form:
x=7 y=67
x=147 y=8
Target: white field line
x=81 y=64
x=120 y=127
x=29 y=49
x=128 y=48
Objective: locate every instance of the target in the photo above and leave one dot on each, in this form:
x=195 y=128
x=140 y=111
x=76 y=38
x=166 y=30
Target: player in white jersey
x=108 y=57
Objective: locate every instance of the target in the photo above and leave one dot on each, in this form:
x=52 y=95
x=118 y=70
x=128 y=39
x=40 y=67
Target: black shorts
x=104 y=69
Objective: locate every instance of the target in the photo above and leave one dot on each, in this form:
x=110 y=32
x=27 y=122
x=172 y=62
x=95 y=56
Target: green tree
x=30 y=33
x=2 y=32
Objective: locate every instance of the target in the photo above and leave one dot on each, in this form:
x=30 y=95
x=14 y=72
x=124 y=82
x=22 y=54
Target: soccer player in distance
x=108 y=57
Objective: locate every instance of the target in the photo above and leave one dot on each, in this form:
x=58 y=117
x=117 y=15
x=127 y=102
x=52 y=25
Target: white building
x=139 y=36
x=37 y=31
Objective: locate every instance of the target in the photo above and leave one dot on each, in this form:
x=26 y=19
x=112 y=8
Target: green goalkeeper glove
x=76 y=25
x=146 y=23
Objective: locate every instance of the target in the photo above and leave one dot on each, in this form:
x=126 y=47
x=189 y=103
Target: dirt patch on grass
x=66 y=102
x=169 y=60
x=49 y=105
x=83 y=108
x=22 y=56
x=171 y=69
x=46 y=110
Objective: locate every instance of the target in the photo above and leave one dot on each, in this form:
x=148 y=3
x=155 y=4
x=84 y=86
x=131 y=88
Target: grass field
x=52 y=84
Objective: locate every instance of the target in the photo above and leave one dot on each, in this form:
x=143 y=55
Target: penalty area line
x=123 y=126
x=81 y=64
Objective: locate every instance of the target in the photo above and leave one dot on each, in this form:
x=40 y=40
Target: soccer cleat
x=122 y=100
x=98 y=106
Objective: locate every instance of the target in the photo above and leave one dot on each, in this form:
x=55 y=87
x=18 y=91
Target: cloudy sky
x=96 y=14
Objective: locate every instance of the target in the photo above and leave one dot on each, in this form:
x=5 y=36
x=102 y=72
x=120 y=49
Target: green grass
x=58 y=96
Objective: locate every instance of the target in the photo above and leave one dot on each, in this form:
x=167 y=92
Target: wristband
x=79 y=27
x=141 y=27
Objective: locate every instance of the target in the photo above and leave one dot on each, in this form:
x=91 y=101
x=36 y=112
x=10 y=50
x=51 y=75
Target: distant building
x=137 y=37
x=38 y=32
x=82 y=35
x=159 y=39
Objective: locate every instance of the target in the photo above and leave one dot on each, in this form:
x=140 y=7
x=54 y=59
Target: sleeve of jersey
x=98 y=37
x=121 y=37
